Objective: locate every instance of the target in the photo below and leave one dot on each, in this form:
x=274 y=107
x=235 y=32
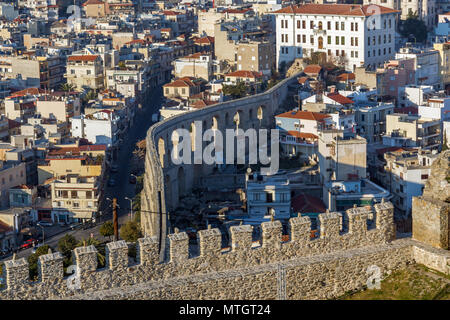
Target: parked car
x=44 y=223
x=111 y=182
x=114 y=168
x=132 y=179
x=27 y=244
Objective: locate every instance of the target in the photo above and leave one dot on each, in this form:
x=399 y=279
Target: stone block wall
x=212 y=258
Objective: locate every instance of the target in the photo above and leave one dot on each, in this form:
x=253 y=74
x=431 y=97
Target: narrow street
x=123 y=188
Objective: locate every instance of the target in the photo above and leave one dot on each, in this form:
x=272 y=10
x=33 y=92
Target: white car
x=44 y=224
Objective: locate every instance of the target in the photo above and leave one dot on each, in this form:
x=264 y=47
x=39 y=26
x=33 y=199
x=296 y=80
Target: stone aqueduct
x=165 y=182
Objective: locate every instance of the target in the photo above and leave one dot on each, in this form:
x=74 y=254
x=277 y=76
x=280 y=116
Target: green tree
x=33 y=261
x=236 y=91
x=101 y=260
x=415 y=27
x=107 y=229
x=67 y=87
x=65 y=245
x=130 y=231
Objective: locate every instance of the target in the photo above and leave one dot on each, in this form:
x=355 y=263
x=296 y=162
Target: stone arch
x=193 y=131
x=162 y=152
x=260 y=115
x=238 y=119
x=215 y=122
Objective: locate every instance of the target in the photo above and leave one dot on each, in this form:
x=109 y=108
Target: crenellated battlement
x=241 y=253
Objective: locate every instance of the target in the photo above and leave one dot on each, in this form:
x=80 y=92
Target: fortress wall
x=321 y=277
x=212 y=258
x=301 y=268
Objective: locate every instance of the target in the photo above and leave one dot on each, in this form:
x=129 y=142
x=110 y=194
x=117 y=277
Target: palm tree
x=67 y=87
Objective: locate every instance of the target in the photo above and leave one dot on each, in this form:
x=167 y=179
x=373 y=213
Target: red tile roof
x=305 y=115
x=82 y=58
x=346 y=77
x=92 y=2
x=406 y=110
x=307 y=204
x=204 y=40
x=313 y=69
x=244 y=74
x=337 y=9
x=202 y=103
x=304 y=135
x=302 y=80
x=339 y=98
x=171 y=13
x=234 y=11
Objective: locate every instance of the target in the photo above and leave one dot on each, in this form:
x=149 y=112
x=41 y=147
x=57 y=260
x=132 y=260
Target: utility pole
x=115 y=220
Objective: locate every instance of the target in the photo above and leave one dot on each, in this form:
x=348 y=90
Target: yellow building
x=85 y=160
x=444 y=63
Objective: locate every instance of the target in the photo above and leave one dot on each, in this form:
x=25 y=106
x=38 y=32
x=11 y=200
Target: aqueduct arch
x=161 y=195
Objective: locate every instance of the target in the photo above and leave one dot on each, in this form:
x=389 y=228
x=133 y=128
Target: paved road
x=123 y=188
x=137 y=132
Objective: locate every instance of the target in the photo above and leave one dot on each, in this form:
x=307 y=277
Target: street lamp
x=131 y=207
x=43 y=234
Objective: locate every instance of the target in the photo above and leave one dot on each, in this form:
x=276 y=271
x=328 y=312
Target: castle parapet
x=50 y=267
x=16 y=273
x=117 y=255
x=300 y=229
x=357 y=220
x=271 y=234
x=330 y=224
x=86 y=259
x=210 y=242
x=385 y=219
x=147 y=251
x=179 y=246
x=241 y=237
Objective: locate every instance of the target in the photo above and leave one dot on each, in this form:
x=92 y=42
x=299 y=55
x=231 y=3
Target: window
x=342 y=26
x=356 y=54
x=384 y=51
x=337 y=53
x=337 y=40
x=72 y=71
x=424 y=176
x=73 y=194
x=368 y=41
x=304 y=24
x=351 y=26
x=183 y=90
x=384 y=39
x=389 y=24
x=351 y=41
x=337 y=25
x=88 y=71
x=356 y=42
x=343 y=41
x=329 y=25
x=389 y=37
x=320 y=25
x=76 y=205
x=88 y=194
x=356 y=26
x=304 y=38
x=299 y=38
x=311 y=24
x=351 y=54
x=312 y=39
x=298 y=24
x=329 y=40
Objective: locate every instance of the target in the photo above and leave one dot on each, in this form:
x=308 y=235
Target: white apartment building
x=426 y=10
x=267 y=196
x=98 y=128
x=352 y=35
x=426 y=64
x=406 y=175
